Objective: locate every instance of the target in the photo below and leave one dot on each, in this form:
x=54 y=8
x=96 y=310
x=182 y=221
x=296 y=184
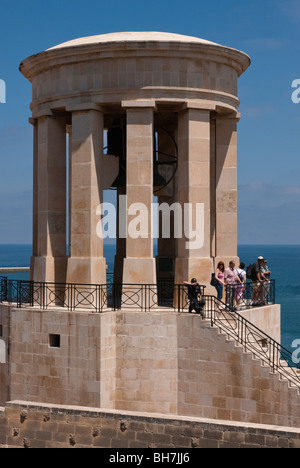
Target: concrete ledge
x=267 y=319
x=14 y=270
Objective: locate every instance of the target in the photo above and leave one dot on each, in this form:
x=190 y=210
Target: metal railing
x=252 y=339
x=95 y=297
x=250 y=294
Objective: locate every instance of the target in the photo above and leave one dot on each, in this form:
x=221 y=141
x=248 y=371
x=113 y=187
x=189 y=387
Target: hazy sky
x=269 y=131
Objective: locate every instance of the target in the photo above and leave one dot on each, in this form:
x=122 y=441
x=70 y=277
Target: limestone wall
x=81 y=370
x=31 y=425
x=218 y=379
x=147 y=362
x=132 y=361
x=266 y=318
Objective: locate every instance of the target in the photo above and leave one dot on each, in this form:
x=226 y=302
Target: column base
x=199 y=268
x=136 y=273
x=86 y=270
x=48 y=269
x=139 y=271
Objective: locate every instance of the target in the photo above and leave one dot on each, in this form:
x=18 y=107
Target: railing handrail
x=263 y=341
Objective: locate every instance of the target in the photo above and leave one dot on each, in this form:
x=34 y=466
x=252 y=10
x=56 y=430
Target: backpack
x=251 y=273
x=241 y=277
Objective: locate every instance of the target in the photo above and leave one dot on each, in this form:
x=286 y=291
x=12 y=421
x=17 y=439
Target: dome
x=145 y=36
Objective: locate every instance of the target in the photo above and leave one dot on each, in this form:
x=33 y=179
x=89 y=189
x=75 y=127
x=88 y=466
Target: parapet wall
x=31 y=425
x=131 y=361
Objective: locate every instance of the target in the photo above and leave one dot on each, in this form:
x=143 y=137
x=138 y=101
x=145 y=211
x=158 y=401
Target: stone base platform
x=36 y=425
x=155 y=362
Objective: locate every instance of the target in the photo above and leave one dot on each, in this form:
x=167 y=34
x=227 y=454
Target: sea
x=283 y=261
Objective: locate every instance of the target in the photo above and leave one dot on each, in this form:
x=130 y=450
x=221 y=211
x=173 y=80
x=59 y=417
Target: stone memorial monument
x=168 y=106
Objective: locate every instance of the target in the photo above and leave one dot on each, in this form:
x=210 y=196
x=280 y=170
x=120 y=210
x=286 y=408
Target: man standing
x=230 y=278
x=257 y=281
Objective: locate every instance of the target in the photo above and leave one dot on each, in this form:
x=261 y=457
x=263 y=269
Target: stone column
x=226 y=189
x=49 y=237
x=194 y=254
x=34 y=123
x=86 y=264
x=139 y=264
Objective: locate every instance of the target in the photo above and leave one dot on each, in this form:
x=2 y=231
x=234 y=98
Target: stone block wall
x=218 y=379
x=132 y=361
x=146 y=372
x=81 y=369
x=30 y=425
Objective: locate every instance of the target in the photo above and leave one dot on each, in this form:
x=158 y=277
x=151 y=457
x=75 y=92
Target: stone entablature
x=114 y=67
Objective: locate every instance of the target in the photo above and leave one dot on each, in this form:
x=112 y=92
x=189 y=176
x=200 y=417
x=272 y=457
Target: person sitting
x=194 y=294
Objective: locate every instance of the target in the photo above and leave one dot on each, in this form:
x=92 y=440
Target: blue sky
x=269 y=131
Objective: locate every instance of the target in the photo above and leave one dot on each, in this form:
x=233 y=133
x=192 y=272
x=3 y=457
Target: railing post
x=212 y=304
x=144 y=295
x=72 y=286
x=4 y=285
x=44 y=286
x=19 y=294
x=67 y=295
x=31 y=293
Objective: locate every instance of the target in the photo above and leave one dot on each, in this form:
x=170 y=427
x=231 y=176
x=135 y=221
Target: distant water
x=284 y=263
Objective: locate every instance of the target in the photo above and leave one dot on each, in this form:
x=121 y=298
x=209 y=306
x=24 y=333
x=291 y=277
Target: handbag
x=214 y=282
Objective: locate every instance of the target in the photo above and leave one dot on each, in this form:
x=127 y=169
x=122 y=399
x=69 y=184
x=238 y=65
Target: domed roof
x=145 y=36
x=130 y=43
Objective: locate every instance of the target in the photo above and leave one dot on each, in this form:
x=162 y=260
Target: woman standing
x=219 y=275
x=239 y=292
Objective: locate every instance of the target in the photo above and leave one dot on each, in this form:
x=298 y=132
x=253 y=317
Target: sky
x=269 y=130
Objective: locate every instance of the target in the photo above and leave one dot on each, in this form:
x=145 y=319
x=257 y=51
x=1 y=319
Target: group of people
x=234 y=281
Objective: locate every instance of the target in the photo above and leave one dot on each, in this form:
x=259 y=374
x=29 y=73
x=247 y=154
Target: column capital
x=84 y=107
x=233 y=116
x=32 y=121
x=42 y=113
x=201 y=106
x=139 y=104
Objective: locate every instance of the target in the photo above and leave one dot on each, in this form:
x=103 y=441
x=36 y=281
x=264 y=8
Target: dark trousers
x=230 y=294
x=196 y=305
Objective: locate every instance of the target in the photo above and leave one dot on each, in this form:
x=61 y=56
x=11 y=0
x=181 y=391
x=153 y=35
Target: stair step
x=262 y=343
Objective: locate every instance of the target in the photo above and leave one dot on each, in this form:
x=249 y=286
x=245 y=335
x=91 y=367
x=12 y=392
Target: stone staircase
x=253 y=340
